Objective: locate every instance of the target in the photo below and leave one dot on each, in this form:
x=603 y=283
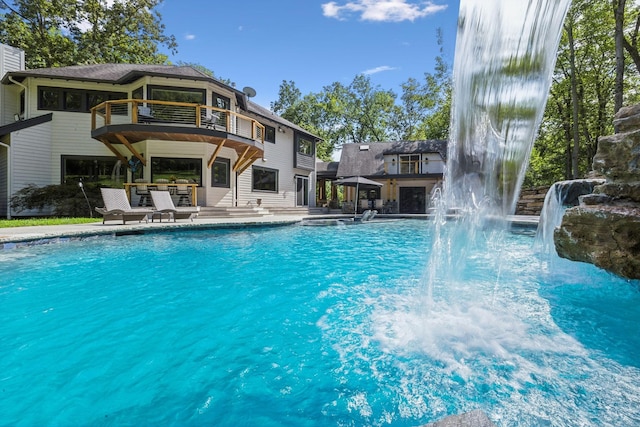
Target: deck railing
x=144 y=111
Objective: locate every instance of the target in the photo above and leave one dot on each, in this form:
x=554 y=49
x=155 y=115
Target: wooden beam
x=249 y=161
x=127 y=144
x=214 y=156
x=236 y=166
x=121 y=157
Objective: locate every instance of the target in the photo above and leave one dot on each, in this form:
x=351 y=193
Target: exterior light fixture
x=281 y=129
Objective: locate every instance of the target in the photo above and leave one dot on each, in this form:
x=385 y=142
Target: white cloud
x=190 y=37
x=378 y=70
x=382 y=10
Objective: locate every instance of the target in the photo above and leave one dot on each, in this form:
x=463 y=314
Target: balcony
x=126 y=122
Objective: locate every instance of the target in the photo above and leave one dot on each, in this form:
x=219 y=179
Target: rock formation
x=604 y=229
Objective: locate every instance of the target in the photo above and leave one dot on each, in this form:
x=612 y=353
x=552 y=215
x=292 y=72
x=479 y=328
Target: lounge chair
x=164 y=205
x=116 y=206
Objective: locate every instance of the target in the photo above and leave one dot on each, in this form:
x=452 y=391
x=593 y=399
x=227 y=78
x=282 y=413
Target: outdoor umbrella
x=358 y=181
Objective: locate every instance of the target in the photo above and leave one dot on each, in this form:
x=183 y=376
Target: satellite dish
x=249 y=91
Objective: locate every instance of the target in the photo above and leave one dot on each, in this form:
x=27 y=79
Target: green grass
x=6 y=223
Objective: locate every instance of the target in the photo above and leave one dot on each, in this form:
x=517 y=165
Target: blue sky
x=260 y=43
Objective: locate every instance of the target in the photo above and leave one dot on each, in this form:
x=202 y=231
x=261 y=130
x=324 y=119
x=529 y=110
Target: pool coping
x=35 y=235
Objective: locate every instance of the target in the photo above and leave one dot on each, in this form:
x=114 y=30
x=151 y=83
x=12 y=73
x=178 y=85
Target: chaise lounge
x=117 y=206
x=164 y=205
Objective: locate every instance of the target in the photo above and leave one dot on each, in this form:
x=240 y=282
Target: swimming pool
x=311 y=326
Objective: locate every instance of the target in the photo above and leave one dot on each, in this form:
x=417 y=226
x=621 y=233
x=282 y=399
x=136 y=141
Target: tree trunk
x=618 y=12
x=575 y=153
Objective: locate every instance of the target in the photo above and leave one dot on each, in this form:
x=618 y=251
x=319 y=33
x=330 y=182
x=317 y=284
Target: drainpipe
x=8 y=178
x=26 y=94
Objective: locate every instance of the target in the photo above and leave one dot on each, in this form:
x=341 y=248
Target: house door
x=412 y=200
x=302 y=191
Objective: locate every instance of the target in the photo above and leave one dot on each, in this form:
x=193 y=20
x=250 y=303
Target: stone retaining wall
x=531 y=200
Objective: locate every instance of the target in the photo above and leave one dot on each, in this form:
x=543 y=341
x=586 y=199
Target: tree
x=618 y=13
x=55 y=33
x=580 y=107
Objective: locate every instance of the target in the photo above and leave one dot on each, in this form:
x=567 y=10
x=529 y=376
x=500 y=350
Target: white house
x=407 y=171
x=116 y=123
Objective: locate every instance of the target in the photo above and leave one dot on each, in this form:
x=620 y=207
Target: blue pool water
x=311 y=326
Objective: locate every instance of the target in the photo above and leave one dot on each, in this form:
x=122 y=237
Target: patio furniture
x=163 y=185
x=116 y=206
x=144 y=114
x=164 y=205
x=142 y=190
x=347 y=207
x=211 y=120
x=364 y=205
x=378 y=205
x=184 y=192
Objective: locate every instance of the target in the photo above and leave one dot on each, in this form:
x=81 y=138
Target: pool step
x=226 y=212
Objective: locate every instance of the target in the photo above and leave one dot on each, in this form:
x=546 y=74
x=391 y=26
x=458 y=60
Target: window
x=221 y=101
x=220 y=173
x=108 y=171
x=175 y=113
x=410 y=164
x=50 y=99
x=265 y=179
x=78 y=100
x=305 y=146
x=176 y=168
x=269 y=133
x=175 y=94
x=72 y=100
x=137 y=93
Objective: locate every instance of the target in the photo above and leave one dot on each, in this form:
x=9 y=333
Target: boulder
x=604 y=229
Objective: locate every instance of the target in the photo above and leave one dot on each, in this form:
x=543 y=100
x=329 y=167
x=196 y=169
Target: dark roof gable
x=111 y=73
x=369 y=162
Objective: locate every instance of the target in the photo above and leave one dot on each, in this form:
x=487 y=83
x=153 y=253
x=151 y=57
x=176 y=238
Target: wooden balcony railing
x=138 y=111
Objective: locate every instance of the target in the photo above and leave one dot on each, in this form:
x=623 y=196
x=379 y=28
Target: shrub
x=65 y=200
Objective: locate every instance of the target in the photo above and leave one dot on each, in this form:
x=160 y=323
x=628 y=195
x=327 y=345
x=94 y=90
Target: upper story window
x=409 y=163
x=221 y=102
x=177 y=94
x=269 y=133
x=305 y=146
x=78 y=100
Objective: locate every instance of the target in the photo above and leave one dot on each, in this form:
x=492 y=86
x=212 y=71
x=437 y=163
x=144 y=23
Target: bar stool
x=184 y=192
x=142 y=190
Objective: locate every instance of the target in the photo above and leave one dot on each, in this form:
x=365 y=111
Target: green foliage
x=55 y=33
x=36 y=222
x=65 y=200
x=592 y=26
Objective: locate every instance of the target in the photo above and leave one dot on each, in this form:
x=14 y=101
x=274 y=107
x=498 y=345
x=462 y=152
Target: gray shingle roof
x=270 y=115
x=370 y=162
x=111 y=73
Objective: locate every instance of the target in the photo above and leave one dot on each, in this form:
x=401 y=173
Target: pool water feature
x=311 y=326
x=504 y=62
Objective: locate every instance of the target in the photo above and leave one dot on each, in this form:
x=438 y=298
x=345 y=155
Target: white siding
x=31 y=159
x=4 y=158
x=11 y=59
x=278 y=156
x=435 y=163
